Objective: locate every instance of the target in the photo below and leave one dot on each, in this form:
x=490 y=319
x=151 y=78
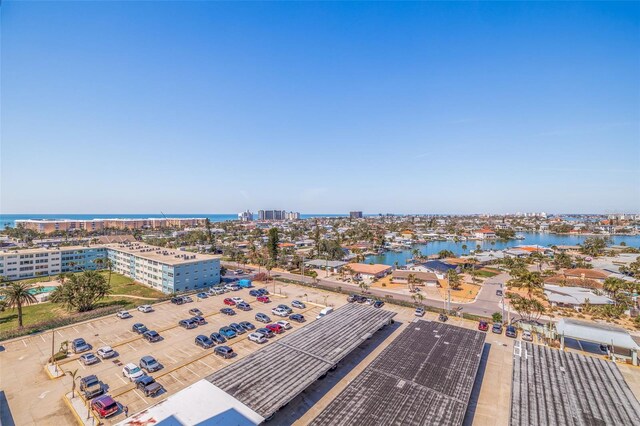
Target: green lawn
x=125 y=285
x=486 y=273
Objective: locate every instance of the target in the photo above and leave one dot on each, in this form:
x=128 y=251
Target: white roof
x=202 y=404
x=596 y=332
x=574 y=295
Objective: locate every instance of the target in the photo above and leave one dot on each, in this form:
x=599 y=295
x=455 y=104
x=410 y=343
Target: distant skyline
x=128 y=107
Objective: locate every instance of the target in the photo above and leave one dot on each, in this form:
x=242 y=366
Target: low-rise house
x=331 y=265
x=367 y=272
x=574 y=297
x=485 y=234
x=400 y=276
x=583 y=273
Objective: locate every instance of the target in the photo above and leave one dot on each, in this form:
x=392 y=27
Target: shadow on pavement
x=6 y=418
x=477 y=385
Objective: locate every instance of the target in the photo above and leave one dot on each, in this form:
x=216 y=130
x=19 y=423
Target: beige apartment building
x=92 y=225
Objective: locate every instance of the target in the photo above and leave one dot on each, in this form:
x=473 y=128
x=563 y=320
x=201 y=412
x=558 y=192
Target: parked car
x=188 y=323
x=204 y=341
x=275 y=328
x=285 y=308
x=106 y=352
x=260 y=317
x=149 y=386
x=263 y=299
x=145 y=308
x=224 y=351
x=263 y=292
x=237 y=299
x=149 y=364
x=152 y=336
x=284 y=324
x=279 y=312
x=237 y=328
x=483 y=326
x=217 y=337
x=266 y=332
x=527 y=336
x=132 y=372
x=104 y=406
x=419 y=312
x=231 y=287
x=297 y=317
x=91 y=387
x=511 y=331
x=187 y=299
x=202 y=295
x=352 y=298
x=177 y=300
x=497 y=328
x=228 y=332
x=229 y=301
x=243 y=306
x=124 y=315
x=89 y=358
x=199 y=320
x=79 y=345
x=247 y=325
x=227 y=311
x=378 y=304
x=195 y=311
x=499 y=293
x=324 y=312
x=257 y=337
x=298 y=304
x=139 y=328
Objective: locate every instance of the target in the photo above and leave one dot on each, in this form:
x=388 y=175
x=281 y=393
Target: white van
x=323 y=313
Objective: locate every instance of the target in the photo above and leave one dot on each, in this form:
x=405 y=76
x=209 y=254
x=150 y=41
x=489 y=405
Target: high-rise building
x=271 y=215
x=245 y=216
x=355 y=215
x=292 y=216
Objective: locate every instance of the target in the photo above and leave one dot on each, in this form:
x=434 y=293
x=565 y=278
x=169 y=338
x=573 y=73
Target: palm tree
x=464 y=248
x=411 y=280
x=74 y=376
x=16 y=295
x=109 y=265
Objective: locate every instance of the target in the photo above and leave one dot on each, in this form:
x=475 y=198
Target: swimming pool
x=40 y=290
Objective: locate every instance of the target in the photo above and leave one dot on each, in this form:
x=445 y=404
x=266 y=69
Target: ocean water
x=9 y=219
x=531 y=238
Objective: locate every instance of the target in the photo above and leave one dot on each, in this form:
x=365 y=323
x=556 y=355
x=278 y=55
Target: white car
x=279 y=312
x=419 y=312
x=237 y=299
x=123 y=314
x=526 y=335
x=145 y=308
x=284 y=324
x=106 y=352
x=132 y=372
x=257 y=337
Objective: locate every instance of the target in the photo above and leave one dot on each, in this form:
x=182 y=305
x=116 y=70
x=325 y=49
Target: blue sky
x=320 y=107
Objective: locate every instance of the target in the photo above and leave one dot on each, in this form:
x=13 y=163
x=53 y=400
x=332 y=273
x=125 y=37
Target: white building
x=245 y=216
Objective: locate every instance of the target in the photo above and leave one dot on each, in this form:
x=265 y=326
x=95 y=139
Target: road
x=486 y=303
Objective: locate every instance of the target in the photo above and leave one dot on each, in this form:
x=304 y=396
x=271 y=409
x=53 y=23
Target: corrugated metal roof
x=424 y=377
x=574 y=295
x=598 y=333
x=552 y=387
x=271 y=377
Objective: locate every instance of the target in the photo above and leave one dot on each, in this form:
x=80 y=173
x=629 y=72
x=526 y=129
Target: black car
x=243 y=306
x=199 y=320
x=297 y=317
x=263 y=292
x=378 y=304
x=139 y=328
x=237 y=328
x=443 y=317
x=152 y=336
x=149 y=386
x=247 y=325
x=227 y=311
x=511 y=331
x=177 y=300
x=204 y=341
x=224 y=351
x=188 y=324
x=255 y=293
x=218 y=338
x=499 y=293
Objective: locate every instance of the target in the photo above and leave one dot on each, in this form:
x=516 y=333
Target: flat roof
x=594 y=332
x=553 y=387
x=424 y=377
x=364 y=268
x=271 y=377
x=195 y=405
x=160 y=254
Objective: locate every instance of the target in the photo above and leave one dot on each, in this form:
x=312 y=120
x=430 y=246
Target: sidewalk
x=80 y=410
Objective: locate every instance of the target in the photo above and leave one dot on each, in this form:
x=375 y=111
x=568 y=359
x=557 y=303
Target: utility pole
x=502 y=306
x=53 y=339
x=302 y=268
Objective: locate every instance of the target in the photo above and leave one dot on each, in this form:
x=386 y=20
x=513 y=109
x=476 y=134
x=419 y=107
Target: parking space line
x=24 y=343
x=81 y=365
x=75 y=329
x=42 y=337
x=184 y=352
x=176 y=379
x=121 y=378
x=202 y=361
x=191 y=371
x=140 y=396
x=129 y=344
x=171 y=358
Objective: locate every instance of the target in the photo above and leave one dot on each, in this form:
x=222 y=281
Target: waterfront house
x=421 y=278
x=485 y=234
x=367 y=272
x=574 y=297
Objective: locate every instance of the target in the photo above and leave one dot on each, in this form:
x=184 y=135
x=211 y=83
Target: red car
x=483 y=326
x=104 y=406
x=229 y=302
x=263 y=299
x=276 y=328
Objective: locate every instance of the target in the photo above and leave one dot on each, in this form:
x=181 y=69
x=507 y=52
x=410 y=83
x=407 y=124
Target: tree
x=82 y=291
x=445 y=253
x=455 y=281
x=594 y=246
x=363 y=286
x=273 y=244
x=316 y=236
x=207 y=225
x=464 y=248
x=74 y=375
x=223 y=271
x=528 y=308
x=16 y=295
x=532 y=282
x=562 y=260
x=496 y=317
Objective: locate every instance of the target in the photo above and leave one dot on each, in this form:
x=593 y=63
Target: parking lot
x=183 y=362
